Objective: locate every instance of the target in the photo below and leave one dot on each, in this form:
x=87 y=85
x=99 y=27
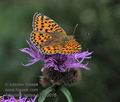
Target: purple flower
x=59 y=62
x=34 y=53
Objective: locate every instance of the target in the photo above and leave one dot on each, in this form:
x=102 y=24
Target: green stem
x=64 y=90
x=44 y=94
x=66 y=93
x=56 y=99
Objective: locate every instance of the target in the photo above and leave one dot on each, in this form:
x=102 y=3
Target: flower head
x=59 y=62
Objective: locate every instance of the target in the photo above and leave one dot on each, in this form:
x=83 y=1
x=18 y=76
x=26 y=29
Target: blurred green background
x=98 y=31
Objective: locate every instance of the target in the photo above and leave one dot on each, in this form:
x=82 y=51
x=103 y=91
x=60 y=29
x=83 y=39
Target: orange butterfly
x=50 y=38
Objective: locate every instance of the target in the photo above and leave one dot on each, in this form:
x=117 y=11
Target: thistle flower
x=58 y=62
x=58 y=68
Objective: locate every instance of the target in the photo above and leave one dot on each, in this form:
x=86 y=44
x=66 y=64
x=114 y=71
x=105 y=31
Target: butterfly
x=50 y=38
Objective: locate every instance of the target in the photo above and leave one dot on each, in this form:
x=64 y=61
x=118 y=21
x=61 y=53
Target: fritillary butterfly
x=50 y=38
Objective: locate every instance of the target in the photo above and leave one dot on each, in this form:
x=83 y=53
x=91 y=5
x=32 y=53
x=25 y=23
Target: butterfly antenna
x=75 y=29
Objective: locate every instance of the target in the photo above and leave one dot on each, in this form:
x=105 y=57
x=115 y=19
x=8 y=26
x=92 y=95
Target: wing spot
x=50 y=21
x=46 y=30
x=52 y=25
x=42 y=26
x=42 y=23
x=41 y=34
x=47 y=48
x=42 y=18
x=57 y=27
x=42 y=41
x=37 y=29
x=49 y=36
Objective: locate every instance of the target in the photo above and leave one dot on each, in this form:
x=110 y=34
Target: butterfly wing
x=38 y=39
x=50 y=38
x=47 y=45
x=70 y=46
x=46 y=33
x=45 y=42
x=52 y=49
x=67 y=46
x=42 y=23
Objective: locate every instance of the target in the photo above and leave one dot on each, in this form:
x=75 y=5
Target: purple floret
x=59 y=62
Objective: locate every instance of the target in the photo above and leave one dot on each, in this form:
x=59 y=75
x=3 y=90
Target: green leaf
x=44 y=94
x=67 y=94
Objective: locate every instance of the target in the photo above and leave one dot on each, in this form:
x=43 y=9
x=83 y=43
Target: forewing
x=42 y=23
x=38 y=39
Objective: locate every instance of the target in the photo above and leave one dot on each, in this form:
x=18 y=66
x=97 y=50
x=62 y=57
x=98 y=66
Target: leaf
x=44 y=94
x=67 y=94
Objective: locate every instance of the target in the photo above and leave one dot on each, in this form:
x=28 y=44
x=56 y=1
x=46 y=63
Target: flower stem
x=56 y=99
x=66 y=93
x=64 y=90
x=44 y=94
